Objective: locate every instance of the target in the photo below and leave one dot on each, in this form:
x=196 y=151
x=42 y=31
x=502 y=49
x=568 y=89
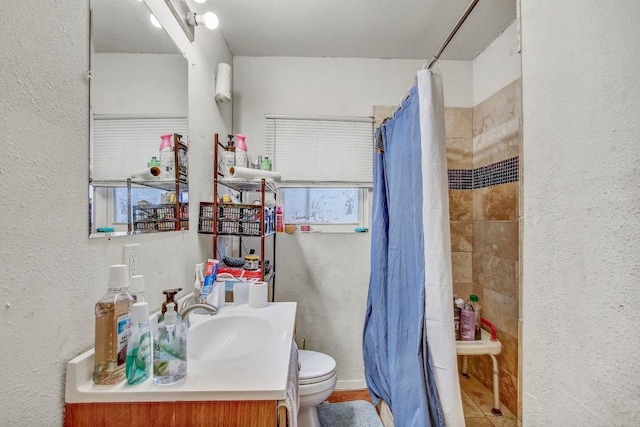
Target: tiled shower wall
x=483 y=146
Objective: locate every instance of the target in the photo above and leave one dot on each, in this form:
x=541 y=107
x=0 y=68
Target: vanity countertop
x=261 y=375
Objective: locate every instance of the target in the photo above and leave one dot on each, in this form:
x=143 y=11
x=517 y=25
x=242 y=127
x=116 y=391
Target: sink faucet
x=187 y=309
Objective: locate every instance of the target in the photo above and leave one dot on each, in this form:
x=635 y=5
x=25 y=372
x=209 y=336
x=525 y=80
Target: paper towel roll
x=253 y=174
x=258 y=292
x=223 y=83
x=147 y=174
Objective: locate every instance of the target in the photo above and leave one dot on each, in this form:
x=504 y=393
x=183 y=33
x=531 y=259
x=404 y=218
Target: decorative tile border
x=460 y=179
x=501 y=172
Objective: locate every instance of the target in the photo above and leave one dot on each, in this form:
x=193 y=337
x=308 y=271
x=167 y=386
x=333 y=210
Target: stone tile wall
x=496 y=235
x=484 y=143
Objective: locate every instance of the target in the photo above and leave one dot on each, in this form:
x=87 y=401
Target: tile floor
x=477 y=401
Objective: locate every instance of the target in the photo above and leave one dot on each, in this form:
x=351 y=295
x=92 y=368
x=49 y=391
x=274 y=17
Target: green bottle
x=266 y=164
x=138 y=365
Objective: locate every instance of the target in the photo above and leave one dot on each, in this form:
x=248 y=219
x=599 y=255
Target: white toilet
x=316 y=382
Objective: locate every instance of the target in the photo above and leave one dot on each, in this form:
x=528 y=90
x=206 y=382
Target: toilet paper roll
x=258 y=292
x=223 y=83
x=147 y=174
x=253 y=174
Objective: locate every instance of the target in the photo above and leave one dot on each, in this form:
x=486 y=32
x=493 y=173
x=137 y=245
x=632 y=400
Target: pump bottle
x=170 y=348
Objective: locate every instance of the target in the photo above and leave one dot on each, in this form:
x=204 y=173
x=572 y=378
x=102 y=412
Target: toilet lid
x=315 y=365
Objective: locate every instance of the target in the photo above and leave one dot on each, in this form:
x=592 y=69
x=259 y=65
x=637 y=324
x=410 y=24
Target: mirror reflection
x=138 y=178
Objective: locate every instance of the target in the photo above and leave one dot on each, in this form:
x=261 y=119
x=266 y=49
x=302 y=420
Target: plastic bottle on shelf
x=228 y=157
x=112 y=328
x=467 y=323
x=241 y=151
x=265 y=165
x=475 y=304
x=456 y=319
x=279 y=220
x=166 y=157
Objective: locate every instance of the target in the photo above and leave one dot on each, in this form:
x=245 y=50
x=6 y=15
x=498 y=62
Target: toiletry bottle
x=259 y=162
x=266 y=164
x=170 y=348
x=475 y=304
x=112 y=328
x=166 y=157
x=241 y=151
x=456 y=320
x=228 y=157
x=136 y=288
x=279 y=219
x=170 y=295
x=138 y=367
x=467 y=323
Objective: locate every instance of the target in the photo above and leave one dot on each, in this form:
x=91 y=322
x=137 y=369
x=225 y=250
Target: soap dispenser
x=170 y=348
x=170 y=295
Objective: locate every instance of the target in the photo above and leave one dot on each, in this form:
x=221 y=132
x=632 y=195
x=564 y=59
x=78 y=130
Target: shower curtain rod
x=453 y=32
x=444 y=45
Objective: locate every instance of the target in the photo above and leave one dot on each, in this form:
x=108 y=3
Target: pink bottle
x=166 y=157
x=467 y=323
x=241 y=151
x=279 y=220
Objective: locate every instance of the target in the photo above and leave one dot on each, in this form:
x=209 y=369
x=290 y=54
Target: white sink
x=241 y=353
x=231 y=337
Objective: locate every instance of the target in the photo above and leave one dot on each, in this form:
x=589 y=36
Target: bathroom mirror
x=138 y=93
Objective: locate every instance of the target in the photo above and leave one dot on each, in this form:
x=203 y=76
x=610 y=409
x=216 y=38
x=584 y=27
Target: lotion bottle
x=467 y=323
x=112 y=314
x=138 y=367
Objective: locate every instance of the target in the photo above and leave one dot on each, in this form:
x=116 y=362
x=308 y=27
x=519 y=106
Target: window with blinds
x=321 y=149
x=121 y=147
x=327 y=169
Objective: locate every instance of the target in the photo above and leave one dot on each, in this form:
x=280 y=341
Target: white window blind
x=321 y=149
x=122 y=147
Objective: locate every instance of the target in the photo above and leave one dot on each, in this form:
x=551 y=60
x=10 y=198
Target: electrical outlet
x=130 y=257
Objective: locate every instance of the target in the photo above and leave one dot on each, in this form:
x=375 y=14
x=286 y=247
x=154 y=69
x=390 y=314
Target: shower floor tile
x=477 y=401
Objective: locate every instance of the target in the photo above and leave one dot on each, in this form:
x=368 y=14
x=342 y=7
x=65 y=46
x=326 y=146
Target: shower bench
x=490 y=345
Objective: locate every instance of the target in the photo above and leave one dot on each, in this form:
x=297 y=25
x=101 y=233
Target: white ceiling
x=402 y=29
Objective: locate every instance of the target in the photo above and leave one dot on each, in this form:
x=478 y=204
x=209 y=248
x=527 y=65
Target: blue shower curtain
x=398 y=365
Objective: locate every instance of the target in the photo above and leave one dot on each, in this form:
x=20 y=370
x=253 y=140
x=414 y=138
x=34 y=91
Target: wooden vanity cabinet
x=254 y=413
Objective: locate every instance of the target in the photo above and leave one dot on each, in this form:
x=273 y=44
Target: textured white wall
x=329 y=86
x=497 y=66
x=581 y=273
x=51 y=274
x=328 y=274
x=140 y=83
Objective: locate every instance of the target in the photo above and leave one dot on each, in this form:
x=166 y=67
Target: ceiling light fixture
x=154 y=21
x=209 y=20
x=200 y=1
